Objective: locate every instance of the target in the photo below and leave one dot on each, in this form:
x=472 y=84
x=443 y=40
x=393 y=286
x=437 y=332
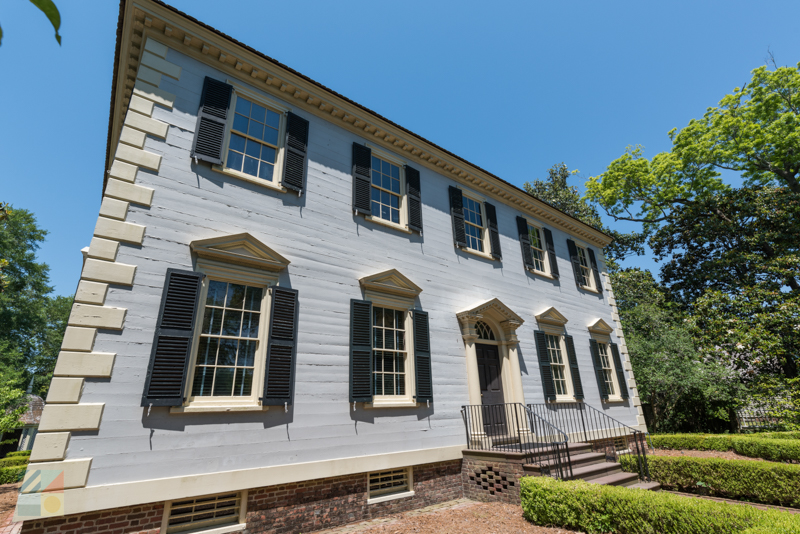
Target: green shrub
x=774 y=449
x=596 y=509
x=12 y=475
x=776 y=435
x=18 y=453
x=14 y=460
x=761 y=482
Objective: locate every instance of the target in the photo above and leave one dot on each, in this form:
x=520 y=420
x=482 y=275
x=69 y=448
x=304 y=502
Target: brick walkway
x=357 y=527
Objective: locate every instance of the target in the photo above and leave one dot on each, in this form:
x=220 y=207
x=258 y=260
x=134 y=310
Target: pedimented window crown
x=241 y=249
x=551 y=316
x=600 y=327
x=392 y=282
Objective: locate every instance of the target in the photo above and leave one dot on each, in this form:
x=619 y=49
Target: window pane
x=250 y=325
x=243 y=383
x=258 y=112
x=376 y=209
x=377 y=338
x=207 y=351
x=377 y=316
x=271 y=136
x=266 y=171
x=376 y=164
x=376 y=194
x=401 y=340
x=386 y=182
x=223 y=384
x=250 y=166
x=243 y=106
x=395 y=172
x=385 y=167
x=396 y=186
x=268 y=154
x=253 y=149
x=256 y=129
x=232 y=323
x=401 y=384
x=253 y=297
x=212 y=321
x=273 y=119
x=240 y=123
x=388 y=384
x=401 y=363
x=247 y=354
x=234 y=160
x=203 y=379
x=237 y=142
x=385 y=212
x=388 y=318
x=227 y=352
x=395 y=201
x=385 y=197
x=236 y=294
x=216 y=293
x=389 y=336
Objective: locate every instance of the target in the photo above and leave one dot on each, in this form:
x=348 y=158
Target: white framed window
x=225 y=512
x=537 y=248
x=586 y=278
x=390 y=484
x=558 y=364
x=607 y=366
x=391 y=376
x=474 y=223
x=387 y=189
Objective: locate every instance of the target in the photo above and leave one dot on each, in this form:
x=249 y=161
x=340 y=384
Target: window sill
x=218 y=408
x=384 y=222
x=564 y=400
x=478 y=253
x=590 y=289
x=220 y=530
x=248 y=178
x=614 y=400
x=401 y=403
x=542 y=274
x=390 y=497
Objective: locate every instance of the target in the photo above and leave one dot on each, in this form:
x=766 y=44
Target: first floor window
x=203 y=513
x=253 y=144
x=226 y=351
x=389 y=351
x=608 y=371
x=586 y=272
x=385 y=190
x=537 y=250
x=388 y=482
x=557 y=364
x=473 y=219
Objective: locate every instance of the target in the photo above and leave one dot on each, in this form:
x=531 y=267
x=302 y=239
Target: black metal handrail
x=513 y=427
x=586 y=424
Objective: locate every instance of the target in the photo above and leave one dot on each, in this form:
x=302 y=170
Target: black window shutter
x=281 y=347
x=525 y=242
x=360 y=351
x=422 y=356
x=362 y=163
x=494 y=234
x=212 y=119
x=414 y=196
x=551 y=252
x=548 y=385
x=598 y=369
x=295 y=152
x=623 y=387
x=457 y=214
x=595 y=270
x=576 y=262
x=577 y=385
x=172 y=343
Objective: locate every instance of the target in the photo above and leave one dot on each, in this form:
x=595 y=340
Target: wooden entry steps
x=594 y=468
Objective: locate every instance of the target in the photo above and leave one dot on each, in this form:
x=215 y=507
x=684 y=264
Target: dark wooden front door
x=492 y=399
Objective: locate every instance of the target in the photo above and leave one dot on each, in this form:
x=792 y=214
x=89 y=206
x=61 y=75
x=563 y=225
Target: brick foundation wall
x=492 y=476
x=287 y=508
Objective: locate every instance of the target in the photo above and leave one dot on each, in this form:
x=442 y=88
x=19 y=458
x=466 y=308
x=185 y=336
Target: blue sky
x=514 y=87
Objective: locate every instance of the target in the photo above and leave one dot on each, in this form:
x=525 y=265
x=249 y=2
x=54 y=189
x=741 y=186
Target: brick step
x=618 y=478
x=651 y=486
x=598 y=470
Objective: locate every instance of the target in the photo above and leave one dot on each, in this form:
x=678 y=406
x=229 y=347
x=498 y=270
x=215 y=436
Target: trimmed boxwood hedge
x=18 y=453
x=596 y=509
x=772 y=448
x=10 y=461
x=762 y=482
x=12 y=475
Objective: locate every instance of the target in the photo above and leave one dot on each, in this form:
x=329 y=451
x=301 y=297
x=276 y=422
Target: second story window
x=386 y=191
x=473 y=220
x=253 y=145
x=537 y=248
x=586 y=271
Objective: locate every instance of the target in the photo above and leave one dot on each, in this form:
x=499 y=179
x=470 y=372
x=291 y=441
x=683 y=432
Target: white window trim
x=242 y=275
x=545 y=253
x=484 y=229
x=407 y=400
x=393 y=496
x=591 y=287
x=279 y=154
x=403 y=206
x=215 y=530
x=617 y=397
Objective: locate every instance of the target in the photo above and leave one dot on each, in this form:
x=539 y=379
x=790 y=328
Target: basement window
x=388 y=485
x=214 y=513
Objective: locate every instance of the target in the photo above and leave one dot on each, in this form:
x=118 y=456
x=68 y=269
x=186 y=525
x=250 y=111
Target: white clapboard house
x=290 y=303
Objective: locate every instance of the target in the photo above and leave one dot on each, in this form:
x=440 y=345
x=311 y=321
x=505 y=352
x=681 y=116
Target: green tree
x=50 y=11
x=753 y=131
x=31 y=321
x=557 y=192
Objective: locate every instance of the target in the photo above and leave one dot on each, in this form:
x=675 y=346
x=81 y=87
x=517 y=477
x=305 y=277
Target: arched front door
x=492 y=398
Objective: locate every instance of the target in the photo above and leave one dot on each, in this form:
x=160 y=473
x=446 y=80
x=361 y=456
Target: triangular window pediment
x=496 y=308
x=392 y=282
x=241 y=249
x=552 y=316
x=600 y=327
